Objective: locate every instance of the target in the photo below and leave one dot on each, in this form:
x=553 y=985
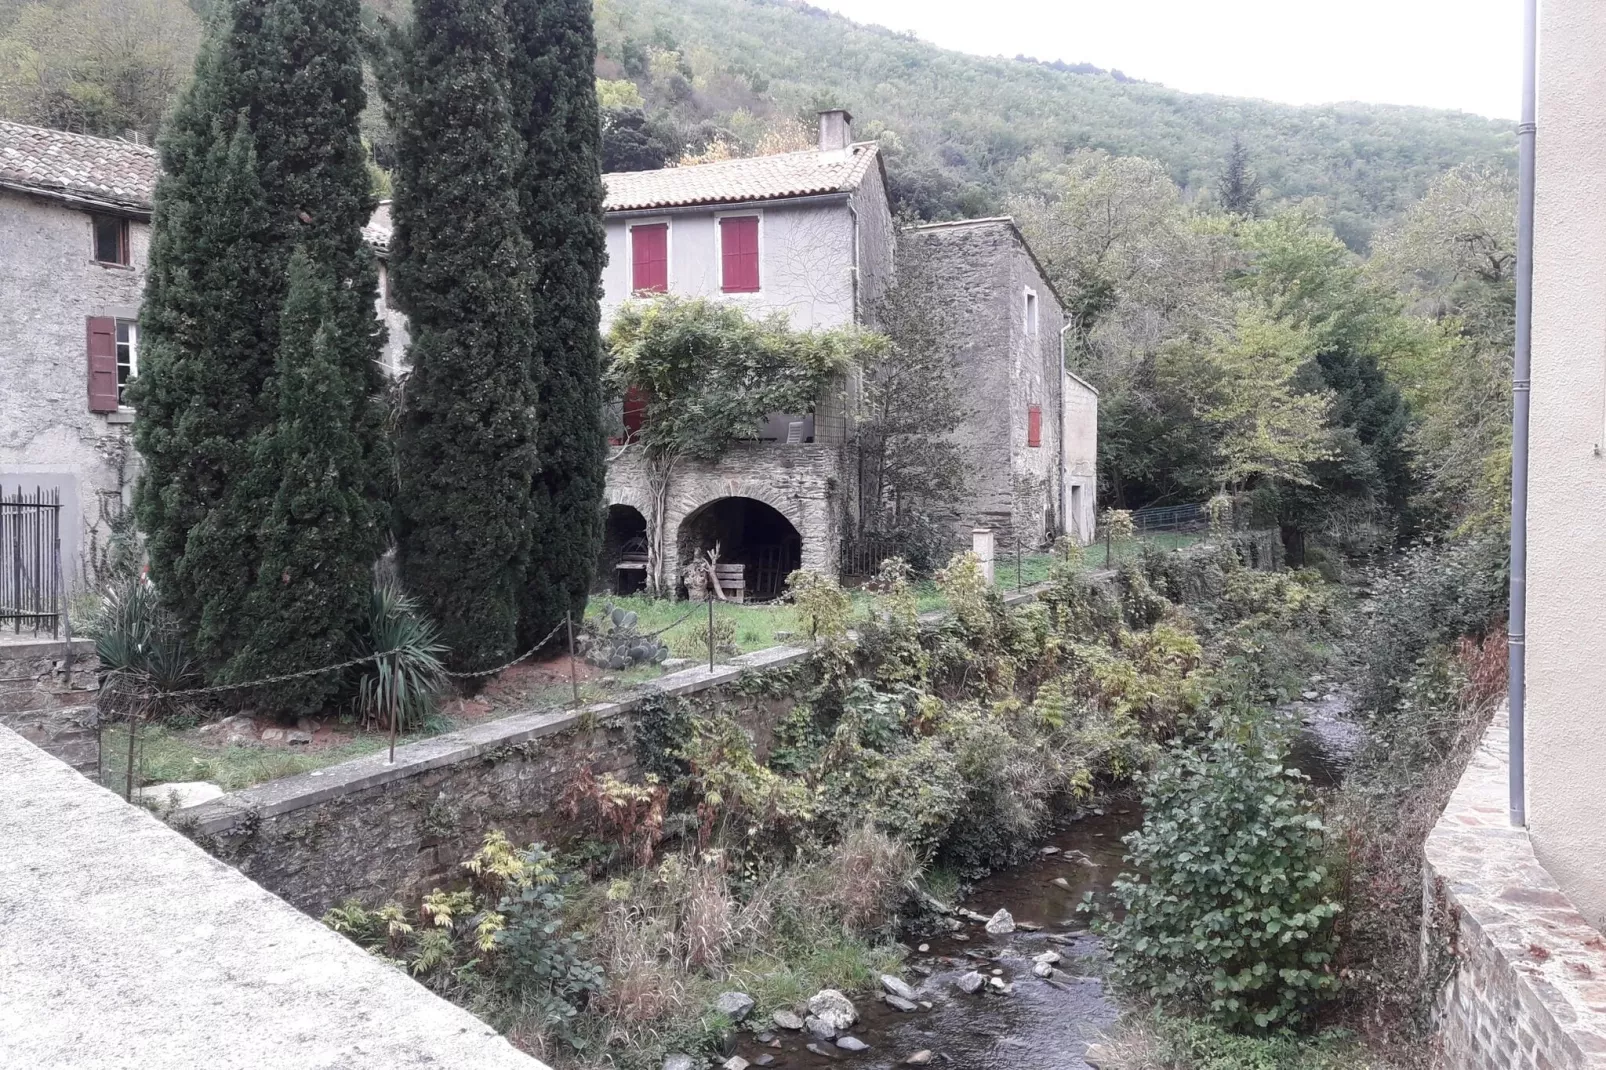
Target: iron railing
x=31 y=591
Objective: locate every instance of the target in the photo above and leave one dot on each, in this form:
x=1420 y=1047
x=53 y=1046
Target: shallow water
x=1042 y=1023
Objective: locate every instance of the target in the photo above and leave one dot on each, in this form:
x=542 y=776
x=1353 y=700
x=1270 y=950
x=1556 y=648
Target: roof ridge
x=120 y=142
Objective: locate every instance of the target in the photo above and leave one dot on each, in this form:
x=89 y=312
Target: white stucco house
x=812 y=234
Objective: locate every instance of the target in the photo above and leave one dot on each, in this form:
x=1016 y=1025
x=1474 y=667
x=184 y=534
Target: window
x=738 y=246
x=111 y=239
x=1031 y=312
x=127 y=355
x=649 y=258
x=1034 y=425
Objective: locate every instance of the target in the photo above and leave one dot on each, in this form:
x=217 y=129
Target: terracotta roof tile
x=96 y=168
x=756 y=178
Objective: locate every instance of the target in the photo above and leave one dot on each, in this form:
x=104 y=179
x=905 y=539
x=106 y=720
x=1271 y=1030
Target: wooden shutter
x=739 y=250
x=635 y=411
x=649 y=247
x=1034 y=425
x=102 y=364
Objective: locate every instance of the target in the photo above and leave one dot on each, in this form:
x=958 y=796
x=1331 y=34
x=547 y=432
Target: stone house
x=75 y=214
x=812 y=234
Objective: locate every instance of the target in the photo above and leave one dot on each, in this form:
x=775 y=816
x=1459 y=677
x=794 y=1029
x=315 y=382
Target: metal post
x=710 y=596
x=1516 y=665
x=1019 y=582
x=1107 y=551
x=393 y=709
x=133 y=727
x=574 y=678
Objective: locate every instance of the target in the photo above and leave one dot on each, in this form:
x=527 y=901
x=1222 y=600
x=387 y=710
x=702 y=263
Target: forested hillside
x=962 y=133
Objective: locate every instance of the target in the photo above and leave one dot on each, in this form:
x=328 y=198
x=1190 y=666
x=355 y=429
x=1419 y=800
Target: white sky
x=1461 y=54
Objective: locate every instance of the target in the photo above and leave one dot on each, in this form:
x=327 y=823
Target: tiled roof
x=98 y=169
x=757 y=178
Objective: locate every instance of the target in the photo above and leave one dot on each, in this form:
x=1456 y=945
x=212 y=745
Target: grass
x=165 y=755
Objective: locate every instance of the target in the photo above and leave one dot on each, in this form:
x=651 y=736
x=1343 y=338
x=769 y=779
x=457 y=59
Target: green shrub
x=409 y=680
x=1161 y=1040
x=1230 y=914
x=137 y=635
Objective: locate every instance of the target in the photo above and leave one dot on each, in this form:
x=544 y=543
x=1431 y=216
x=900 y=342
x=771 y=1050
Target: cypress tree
x=560 y=193
x=280 y=83
x=467 y=441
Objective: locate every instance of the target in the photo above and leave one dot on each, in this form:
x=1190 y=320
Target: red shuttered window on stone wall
x=635 y=414
x=102 y=364
x=1034 y=425
x=649 y=258
x=738 y=241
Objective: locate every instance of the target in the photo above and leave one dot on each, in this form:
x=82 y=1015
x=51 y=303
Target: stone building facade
x=812 y=234
x=74 y=230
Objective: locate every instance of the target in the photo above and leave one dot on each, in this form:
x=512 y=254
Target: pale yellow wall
x=1567 y=512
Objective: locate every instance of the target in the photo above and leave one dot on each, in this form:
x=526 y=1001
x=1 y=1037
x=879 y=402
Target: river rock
x=919 y=1058
x=999 y=985
x=1028 y=927
x=851 y=1044
x=764 y=1060
x=1050 y=850
x=819 y=1027
x=734 y=1005
x=899 y=1003
x=971 y=915
x=1001 y=923
x=1061 y=882
x=735 y=1062
x=1050 y=957
x=787 y=1020
x=971 y=983
x=896 y=986
x=923 y=948
x=679 y=1062
x=1042 y=969
x=833 y=1007
x=822 y=1051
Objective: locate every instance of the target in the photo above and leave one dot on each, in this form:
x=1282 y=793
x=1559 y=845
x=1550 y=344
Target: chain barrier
x=492 y=672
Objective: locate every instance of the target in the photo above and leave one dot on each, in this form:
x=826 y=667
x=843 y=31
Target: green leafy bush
x=1230 y=912
x=137 y=635
x=405 y=684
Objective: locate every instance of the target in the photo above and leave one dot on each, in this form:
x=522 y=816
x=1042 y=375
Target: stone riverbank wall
x=378 y=830
x=47 y=696
x=1525 y=973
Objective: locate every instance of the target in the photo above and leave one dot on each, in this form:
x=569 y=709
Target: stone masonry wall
x=48 y=701
x=1525 y=973
x=802 y=482
x=377 y=831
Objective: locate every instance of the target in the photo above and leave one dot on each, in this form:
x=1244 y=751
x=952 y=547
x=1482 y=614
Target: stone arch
x=749 y=531
x=622 y=562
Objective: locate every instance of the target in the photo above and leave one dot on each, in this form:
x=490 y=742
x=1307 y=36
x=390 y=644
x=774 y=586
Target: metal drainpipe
x=1520 y=373
x=1067 y=521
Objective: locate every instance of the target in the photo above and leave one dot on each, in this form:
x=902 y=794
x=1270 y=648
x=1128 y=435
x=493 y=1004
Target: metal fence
x=31 y=592
x=862 y=555
x=1178 y=518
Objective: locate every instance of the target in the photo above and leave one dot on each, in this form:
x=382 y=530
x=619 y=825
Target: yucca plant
x=406 y=683
x=139 y=638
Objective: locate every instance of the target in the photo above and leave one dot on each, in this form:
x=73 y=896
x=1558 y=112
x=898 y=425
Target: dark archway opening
x=622 y=566
x=749 y=533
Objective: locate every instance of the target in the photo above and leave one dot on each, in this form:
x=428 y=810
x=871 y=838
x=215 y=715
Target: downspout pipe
x=1067 y=521
x=1520 y=378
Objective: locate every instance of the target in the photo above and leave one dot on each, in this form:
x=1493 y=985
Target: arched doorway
x=622 y=566
x=748 y=532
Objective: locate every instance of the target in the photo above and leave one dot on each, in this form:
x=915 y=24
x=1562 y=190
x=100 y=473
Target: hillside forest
x=1312 y=302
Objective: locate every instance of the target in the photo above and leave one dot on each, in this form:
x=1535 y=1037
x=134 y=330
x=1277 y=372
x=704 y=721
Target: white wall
x=49 y=287
x=805 y=261
x=1567 y=514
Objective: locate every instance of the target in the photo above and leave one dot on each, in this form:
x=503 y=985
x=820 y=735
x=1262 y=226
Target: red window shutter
x=739 y=249
x=102 y=364
x=1034 y=425
x=649 y=249
x=635 y=411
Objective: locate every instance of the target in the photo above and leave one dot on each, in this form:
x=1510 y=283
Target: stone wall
x=47 y=696
x=1525 y=972
x=49 y=287
x=378 y=830
x=802 y=482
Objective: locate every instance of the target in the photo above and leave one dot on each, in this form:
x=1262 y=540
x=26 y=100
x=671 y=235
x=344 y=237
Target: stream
x=1039 y=1023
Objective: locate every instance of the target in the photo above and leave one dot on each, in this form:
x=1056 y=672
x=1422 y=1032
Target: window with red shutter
x=635 y=414
x=649 y=258
x=102 y=364
x=738 y=239
x=1034 y=425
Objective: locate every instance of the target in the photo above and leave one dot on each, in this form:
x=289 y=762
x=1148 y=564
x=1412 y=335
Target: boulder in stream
x=898 y=1003
x=833 y=1008
x=919 y=1058
x=897 y=987
x=734 y=1005
x=851 y=1044
x=679 y=1062
x=1001 y=923
x=971 y=983
x=820 y=1028
x=787 y=1020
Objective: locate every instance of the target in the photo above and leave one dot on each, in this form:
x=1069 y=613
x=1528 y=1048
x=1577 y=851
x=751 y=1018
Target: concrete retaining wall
x=1527 y=972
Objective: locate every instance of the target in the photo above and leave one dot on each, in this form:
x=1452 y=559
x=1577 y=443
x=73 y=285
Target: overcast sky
x=1462 y=54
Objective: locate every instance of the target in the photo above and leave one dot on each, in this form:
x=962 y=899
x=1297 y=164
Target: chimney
x=836 y=130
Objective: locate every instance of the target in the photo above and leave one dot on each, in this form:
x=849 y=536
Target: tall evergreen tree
x=554 y=100
x=280 y=81
x=467 y=444
x=1238 y=185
